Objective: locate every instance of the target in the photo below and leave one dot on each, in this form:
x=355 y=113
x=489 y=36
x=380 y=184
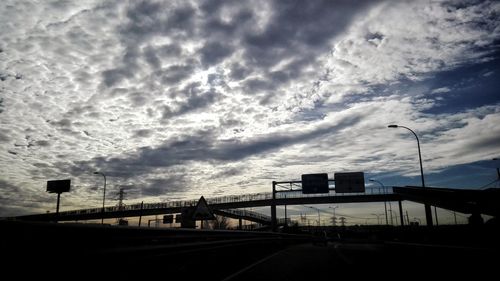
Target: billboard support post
x=58 y=186
x=57 y=207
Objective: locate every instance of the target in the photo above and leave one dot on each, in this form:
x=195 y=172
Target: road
x=59 y=251
x=320 y=262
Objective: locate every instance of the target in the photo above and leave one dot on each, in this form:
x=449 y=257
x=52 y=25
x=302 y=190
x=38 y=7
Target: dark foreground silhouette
x=66 y=251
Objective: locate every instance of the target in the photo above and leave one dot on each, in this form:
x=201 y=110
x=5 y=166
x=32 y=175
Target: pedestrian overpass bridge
x=461 y=200
x=230 y=206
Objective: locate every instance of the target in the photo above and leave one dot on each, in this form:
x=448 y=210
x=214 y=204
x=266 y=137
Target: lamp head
x=392 y=126
x=96 y=173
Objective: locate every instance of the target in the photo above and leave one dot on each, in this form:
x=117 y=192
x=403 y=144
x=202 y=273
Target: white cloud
x=89 y=83
x=440 y=90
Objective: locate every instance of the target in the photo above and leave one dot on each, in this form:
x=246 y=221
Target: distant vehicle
x=122 y=222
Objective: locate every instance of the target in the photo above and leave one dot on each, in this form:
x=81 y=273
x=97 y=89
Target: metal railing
x=219 y=200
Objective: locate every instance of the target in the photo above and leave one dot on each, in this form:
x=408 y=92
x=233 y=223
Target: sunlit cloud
x=190 y=98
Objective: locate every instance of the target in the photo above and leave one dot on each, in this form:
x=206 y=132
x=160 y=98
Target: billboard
x=58 y=186
x=349 y=182
x=315 y=183
x=168 y=218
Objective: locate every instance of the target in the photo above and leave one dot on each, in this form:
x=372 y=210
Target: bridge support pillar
x=401 y=216
x=240 y=224
x=273 y=209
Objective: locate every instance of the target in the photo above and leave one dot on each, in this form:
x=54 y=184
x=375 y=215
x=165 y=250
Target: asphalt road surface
x=327 y=262
x=57 y=251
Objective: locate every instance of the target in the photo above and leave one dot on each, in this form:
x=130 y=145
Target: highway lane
x=388 y=260
x=91 y=252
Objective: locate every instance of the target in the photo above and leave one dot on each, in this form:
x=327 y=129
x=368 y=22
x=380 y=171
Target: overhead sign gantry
x=352 y=182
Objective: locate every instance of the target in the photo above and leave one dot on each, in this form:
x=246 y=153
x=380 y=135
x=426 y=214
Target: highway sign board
x=168 y=218
x=349 y=182
x=315 y=183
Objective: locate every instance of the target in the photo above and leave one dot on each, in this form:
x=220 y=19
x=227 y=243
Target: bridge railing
x=219 y=200
x=247 y=213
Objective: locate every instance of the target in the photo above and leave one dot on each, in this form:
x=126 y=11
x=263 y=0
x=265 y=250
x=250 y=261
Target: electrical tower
x=121 y=196
x=334 y=221
x=303 y=219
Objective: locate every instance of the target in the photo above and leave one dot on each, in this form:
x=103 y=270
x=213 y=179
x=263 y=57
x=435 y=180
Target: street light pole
x=103 y=196
x=385 y=202
x=428 y=212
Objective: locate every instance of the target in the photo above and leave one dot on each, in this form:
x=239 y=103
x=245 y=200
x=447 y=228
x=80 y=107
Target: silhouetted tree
x=220 y=222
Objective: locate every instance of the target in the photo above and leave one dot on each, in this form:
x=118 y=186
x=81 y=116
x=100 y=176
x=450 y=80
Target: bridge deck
x=218 y=203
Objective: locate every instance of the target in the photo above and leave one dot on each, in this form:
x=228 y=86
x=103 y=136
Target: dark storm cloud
x=226 y=173
x=151 y=57
x=42 y=143
x=63 y=123
x=163 y=186
x=194 y=99
x=126 y=71
x=238 y=72
x=78 y=111
x=175 y=73
x=8 y=188
x=154 y=55
x=214 y=52
x=143 y=133
x=138 y=99
x=483 y=143
x=169 y=50
x=204 y=147
x=148 y=19
x=297 y=33
x=4 y=137
x=258 y=85
x=299 y=29
x=114 y=76
x=214 y=26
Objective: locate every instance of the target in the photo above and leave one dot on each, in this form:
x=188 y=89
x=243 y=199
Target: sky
x=177 y=99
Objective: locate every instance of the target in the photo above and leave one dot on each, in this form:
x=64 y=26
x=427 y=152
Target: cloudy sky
x=177 y=99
